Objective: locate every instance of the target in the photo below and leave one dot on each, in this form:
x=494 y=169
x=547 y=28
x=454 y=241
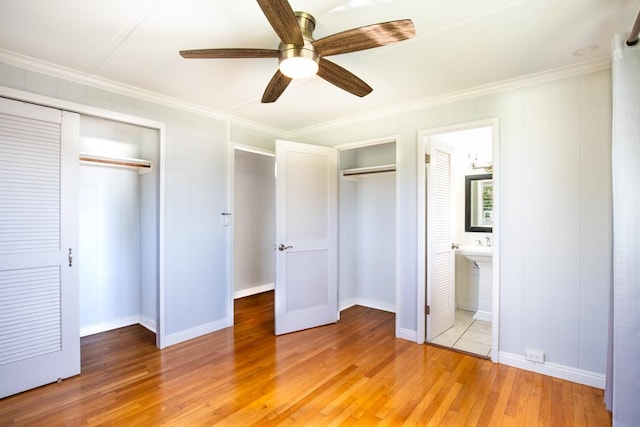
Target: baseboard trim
x=347 y=303
x=148 y=323
x=107 y=326
x=378 y=305
x=407 y=334
x=485 y=316
x=467 y=307
x=253 y=290
x=198 y=331
x=568 y=373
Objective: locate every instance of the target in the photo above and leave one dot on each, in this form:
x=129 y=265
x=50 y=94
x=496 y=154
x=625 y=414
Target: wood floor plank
x=352 y=373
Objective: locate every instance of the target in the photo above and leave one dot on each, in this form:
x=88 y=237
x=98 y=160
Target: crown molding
x=575 y=70
x=28 y=63
x=38 y=66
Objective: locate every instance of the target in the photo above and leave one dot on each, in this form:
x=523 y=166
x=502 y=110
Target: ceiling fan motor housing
x=302 y=53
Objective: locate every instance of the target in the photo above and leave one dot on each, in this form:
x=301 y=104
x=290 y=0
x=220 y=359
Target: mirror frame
x=468 y=179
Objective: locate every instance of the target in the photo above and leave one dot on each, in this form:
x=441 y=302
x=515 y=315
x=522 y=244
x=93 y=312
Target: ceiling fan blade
x=229 y=53
x=346 y=80
x=276 y=86
x=283 y=20
x=366 y=37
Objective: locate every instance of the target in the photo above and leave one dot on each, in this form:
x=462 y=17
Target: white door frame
x=230 y=222
x=132 y=120
x=422 y=140
x=399 y=265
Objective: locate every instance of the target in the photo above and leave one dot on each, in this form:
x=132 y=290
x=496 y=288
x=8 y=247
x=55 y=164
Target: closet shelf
x=368 y=170
x=143 y=166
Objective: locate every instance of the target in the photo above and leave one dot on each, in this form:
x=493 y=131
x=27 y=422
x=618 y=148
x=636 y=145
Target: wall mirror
x=478 y=206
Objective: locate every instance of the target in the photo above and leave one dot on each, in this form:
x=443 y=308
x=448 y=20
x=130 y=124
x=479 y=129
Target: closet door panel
x=39 y=336
x=306 y=293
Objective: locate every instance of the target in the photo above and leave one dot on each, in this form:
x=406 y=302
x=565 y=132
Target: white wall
x=109 y=247
x=555 y=160
x=254 y=223
x=347 y=243
x=375 y=230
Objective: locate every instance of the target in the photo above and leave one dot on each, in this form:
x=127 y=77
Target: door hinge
x=427 y=159
x=427 y=310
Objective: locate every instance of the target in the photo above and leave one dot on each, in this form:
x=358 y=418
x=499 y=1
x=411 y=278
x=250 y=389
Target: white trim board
x=348 y=303
x=196 y=332
x=118 y=323
x=376 y=305
x=254 y=290
x=407 y=334
x=555 y=370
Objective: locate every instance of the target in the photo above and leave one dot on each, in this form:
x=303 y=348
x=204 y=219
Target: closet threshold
x=143 y=166
x=368 y=170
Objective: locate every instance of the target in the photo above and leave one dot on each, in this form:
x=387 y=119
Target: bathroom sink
x=477 y=253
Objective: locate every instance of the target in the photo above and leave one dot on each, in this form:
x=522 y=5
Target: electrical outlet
x=534 y=356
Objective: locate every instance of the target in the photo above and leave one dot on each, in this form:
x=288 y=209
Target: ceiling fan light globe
x=298 y=67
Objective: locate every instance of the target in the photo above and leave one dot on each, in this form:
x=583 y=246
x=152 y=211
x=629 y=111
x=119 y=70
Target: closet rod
x=134 y=164
x=366 y=172
x=369 y=170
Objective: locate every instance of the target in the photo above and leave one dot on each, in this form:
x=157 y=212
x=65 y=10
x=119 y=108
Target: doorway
x=373 y=162
x=253 y=222
x=457 y=283
x=118 y=225
x=367 y=224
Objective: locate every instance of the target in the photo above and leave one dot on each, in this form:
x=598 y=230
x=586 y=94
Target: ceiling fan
x=300 y=56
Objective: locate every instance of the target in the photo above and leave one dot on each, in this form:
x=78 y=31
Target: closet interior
x=367 y=226
x=118 y=225
x=254 y=212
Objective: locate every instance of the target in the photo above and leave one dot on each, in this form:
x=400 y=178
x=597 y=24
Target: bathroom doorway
x=458 y=257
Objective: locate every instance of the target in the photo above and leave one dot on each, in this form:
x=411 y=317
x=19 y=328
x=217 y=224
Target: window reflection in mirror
x=478 y=194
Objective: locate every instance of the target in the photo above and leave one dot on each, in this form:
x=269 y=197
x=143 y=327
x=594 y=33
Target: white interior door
x=440 y=256
x=39 y=330
x=306 y=290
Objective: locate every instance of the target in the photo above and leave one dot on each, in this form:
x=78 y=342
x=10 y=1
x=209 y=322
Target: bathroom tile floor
x=467 y=334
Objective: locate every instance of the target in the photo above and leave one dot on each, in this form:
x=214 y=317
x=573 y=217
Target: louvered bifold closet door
x=38 y=343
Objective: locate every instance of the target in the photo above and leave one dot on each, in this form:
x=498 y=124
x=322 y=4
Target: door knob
x=282 y=247
x=454 y=246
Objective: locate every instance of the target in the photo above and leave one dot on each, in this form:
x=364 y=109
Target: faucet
x=488 y=241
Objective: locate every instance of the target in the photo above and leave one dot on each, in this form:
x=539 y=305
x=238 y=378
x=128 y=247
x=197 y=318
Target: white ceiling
x=459 y=44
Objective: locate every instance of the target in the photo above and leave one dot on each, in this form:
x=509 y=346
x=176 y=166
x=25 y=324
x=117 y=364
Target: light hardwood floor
x=351 y=373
